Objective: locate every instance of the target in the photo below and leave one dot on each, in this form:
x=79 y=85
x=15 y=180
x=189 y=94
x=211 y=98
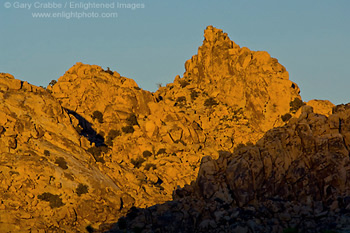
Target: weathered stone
x=95 y=147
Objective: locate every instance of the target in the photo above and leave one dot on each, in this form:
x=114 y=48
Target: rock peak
x=216 y=37
x=212 y=34
x=239 y=78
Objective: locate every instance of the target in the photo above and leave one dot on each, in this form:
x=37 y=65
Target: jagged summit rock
x=238 y=80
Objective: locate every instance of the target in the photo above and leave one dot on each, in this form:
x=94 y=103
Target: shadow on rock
x=296 y=178
x=87 y=131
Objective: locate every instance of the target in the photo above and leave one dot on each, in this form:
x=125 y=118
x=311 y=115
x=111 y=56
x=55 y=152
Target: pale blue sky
x=309 y=37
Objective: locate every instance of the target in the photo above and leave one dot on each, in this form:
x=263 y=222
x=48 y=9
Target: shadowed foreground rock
x=294 y=179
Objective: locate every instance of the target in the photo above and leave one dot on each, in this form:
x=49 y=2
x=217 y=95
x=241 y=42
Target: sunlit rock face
x=92 y=146
x=250 y=86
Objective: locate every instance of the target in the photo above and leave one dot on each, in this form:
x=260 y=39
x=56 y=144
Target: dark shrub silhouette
x=286 y=117
x=109 y=71
x=46 y=153
x=128 y=129
x=53 y=82
x=184 y=83
x=149 y=166
x=181 y=99
x=97 y=115
x=61 y=162
x=161 y=151
x=137 y=162
x=55 y=200
x=296 y=104
x=194 y=95
x=147 y=154
x=82 y=189
x=210 y=102
x=111 y=135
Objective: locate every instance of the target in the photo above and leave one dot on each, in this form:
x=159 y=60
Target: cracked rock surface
x=222 y=146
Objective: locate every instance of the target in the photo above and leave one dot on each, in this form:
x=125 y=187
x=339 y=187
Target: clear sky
x=151 y=44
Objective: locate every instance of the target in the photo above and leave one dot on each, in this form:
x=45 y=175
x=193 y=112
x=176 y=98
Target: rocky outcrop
x=250 y=87
x=295 y=179
x=125 y=126
x=93 y=146
x=324 y=107
x=48 y=182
